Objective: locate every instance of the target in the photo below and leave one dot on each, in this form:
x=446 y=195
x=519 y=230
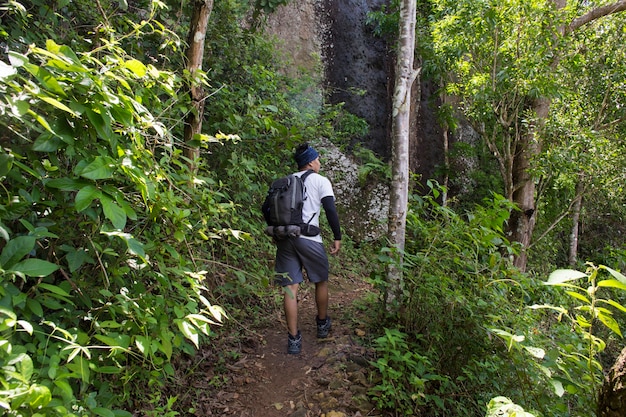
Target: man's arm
x=333 y=220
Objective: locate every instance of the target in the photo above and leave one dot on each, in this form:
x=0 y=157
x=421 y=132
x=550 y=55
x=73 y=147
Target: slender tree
x=195 y=54
x=405 y=77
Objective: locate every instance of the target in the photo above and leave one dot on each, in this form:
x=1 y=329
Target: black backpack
x=283 y=205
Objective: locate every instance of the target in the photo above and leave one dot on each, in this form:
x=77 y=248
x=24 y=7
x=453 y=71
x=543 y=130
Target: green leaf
x=56 y=103
x=6 y=163
x=85 y=196
x=558 y=387
x=54 y=289
x=617 y=275
x=136 y=66
x=6 y=71
x=34 y=306
x=65 y=387
x=614 y=304
x=26 y=367
x=35 y=267
x=113 y=212
x=136 y=248
x=15 y=250
x=609 y=322
x=47 y=142
x=46 y=78
x=189 y=332
x=66 y=184
x=38 y=396
x=142 y=343
x=77 y=258
x=535 y=351
x=564 y=275
x=612 y=283
x=17 y=59
x=101 y=121
x=578 y=296
x=100 y=168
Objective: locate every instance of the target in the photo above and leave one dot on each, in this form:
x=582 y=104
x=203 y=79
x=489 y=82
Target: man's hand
x=334 y=248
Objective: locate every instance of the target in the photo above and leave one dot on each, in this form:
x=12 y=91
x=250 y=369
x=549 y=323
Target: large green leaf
x=612 y=283
x=47 y=142
x=46 y=78
x=35 y=267
x=66 y=184
x=617 y=275
x=56 y=103
x=6 y=70
x=100 y=168
x=113 y=212
x=16 y=249
x=85 y=196
x=6 y=163
x=561 y=276
x=136 y=66
x=101 y=121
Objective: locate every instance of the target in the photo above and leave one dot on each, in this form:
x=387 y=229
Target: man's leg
x=321 y=299
x=291 y=308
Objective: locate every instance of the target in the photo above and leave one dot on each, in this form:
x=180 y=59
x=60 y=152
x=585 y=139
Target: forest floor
x=255 y=377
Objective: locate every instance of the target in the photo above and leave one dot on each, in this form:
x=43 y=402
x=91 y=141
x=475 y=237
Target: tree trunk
x=398 y=200
x=522 y=222
x=576 y=208
x=612 y=401
x=195 y=54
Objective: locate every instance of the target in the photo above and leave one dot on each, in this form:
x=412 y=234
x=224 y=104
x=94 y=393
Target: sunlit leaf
x=609 y=322
x=564 y=275
x=612 y=283
x=58 y=104
x=6 y=70
x=136 y=66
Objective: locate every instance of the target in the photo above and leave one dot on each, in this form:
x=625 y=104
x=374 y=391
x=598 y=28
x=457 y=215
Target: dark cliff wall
x=358 y=67
x=358 y=70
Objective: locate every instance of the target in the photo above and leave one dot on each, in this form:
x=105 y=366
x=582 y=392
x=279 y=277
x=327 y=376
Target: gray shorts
x=294 y=254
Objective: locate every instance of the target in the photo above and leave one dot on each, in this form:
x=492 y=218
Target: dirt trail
x=330 y=378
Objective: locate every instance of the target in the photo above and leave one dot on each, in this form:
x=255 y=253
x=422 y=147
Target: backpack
x=283 y=206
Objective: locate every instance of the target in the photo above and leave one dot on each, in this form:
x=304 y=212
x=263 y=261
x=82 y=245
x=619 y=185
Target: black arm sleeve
x=331 y=215
x=265 y=208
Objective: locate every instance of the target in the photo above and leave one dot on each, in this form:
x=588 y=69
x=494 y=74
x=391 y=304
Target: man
x=307 y=252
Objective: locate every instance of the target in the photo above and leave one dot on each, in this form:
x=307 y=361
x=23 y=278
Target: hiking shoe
x=294 y=343
x=323 y=327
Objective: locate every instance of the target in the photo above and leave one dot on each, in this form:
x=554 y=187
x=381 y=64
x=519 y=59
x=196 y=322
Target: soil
x=255 y=377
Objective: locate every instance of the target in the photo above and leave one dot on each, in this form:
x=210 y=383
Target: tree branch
x=618 y=6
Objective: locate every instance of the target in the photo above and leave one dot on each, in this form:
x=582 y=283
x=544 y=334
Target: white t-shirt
x=316 y=188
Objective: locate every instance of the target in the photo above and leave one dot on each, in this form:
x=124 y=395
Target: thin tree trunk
x=522 y=222
x=398 y=200
x=576 y=209
x=446 y=163
x=195 y=54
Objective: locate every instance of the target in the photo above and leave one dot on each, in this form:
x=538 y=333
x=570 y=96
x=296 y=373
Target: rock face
x=331 y=42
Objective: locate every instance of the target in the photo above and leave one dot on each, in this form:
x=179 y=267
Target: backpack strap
x=306 y=174
x=303 y=177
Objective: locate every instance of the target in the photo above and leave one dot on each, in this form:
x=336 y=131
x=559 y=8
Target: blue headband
x=310 y=154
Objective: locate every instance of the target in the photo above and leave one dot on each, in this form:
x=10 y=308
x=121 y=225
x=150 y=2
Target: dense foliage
x=115 y=259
